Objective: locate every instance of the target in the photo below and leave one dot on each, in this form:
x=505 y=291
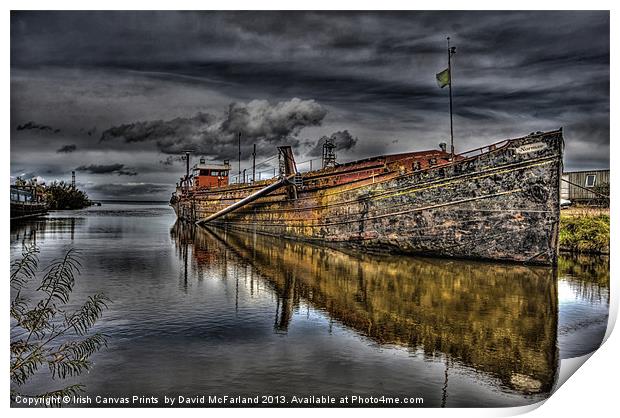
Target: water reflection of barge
x=494 y=318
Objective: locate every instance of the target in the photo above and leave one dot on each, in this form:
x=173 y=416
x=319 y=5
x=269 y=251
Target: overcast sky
x=118 y=95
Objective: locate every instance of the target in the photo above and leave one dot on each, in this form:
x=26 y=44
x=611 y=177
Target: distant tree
x=46 y=332
x=61 y=195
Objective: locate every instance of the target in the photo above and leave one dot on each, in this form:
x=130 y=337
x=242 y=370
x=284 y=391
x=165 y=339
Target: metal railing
x=482 y=150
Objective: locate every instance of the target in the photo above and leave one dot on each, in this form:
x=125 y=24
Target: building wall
x=574 y=193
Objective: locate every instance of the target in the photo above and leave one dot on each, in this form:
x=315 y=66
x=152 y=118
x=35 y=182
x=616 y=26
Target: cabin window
x=590 y=180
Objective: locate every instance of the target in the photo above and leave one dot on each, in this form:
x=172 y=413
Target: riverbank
x=584 y=230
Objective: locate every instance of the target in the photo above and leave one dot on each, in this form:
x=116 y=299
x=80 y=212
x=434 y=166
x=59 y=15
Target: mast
x=451 y=51
x=239 y=176
x=254 y=164
x=185 y=181
x=187 y=165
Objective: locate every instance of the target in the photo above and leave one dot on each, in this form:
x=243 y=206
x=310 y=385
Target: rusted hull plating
x=502 y=203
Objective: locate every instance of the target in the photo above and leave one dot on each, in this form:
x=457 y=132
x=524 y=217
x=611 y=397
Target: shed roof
x=596 y=170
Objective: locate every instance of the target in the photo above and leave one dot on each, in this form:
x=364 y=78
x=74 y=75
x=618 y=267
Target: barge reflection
x=499 y=319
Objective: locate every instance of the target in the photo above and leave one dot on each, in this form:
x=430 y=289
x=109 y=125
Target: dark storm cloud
x=89 y=132
x=162 y=79
x=35 y=126
x=67 y=148
x=127 y=173
x=343 y=140
x=107 y=169
x=128 y=190
x=217 y=136
x=170 y=160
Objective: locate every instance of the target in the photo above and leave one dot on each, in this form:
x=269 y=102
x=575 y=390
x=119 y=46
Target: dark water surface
x=206 y=312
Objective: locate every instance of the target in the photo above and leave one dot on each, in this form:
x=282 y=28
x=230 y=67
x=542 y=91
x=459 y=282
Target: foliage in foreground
x=45 y=333
x=61 y=195
x=585 y=234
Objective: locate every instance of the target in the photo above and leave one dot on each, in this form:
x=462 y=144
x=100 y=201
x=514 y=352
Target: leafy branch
x=44 y=333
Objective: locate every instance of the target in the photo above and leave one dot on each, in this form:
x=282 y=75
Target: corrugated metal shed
x=587 y=179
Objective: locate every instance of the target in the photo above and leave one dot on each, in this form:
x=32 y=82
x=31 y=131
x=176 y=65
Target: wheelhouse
x=209 y=175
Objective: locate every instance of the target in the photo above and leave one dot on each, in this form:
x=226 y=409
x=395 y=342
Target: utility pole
x=254 y=164
x=73 y=179
x=451 y=51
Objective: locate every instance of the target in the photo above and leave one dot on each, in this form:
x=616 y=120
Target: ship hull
x=23 y=210
x=497 y=203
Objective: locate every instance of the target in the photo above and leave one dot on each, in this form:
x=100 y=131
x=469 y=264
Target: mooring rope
x=586 y=189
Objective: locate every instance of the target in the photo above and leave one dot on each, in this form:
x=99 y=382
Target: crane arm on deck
x=284 y=181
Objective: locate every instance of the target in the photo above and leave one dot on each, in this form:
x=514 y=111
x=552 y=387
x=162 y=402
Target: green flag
x=443 y=78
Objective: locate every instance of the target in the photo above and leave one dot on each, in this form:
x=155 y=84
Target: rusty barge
x=498 y=202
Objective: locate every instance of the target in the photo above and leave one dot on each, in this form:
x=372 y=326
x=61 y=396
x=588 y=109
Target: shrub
x=60 y=195
x=585 y=234
x=602 y=190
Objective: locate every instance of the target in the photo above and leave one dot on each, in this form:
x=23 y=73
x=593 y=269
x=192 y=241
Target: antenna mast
x=239 y=177
x=254 y=164
x=451 y=51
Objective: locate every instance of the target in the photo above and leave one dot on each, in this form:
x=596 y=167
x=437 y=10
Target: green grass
x=584 y=233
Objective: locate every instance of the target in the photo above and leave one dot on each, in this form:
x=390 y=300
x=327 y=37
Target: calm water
x=206 y=312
